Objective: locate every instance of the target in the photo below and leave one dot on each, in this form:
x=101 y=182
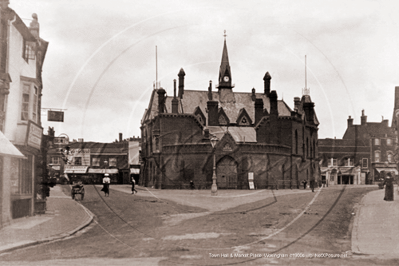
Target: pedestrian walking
x=388 y=187
x=192 y=184
x=304 y=182
x=106 y=182
x=312 y=184
x=133 y=186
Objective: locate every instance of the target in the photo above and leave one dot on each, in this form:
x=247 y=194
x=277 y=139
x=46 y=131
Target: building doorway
x=226 y=172
x=346 y=180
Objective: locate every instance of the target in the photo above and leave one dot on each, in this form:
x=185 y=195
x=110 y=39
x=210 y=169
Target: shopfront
x=96 y=175
x=24 y=174
x=10 y=158
x=76 y=173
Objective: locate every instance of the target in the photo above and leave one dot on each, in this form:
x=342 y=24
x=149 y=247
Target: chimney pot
x=267 y=79
x=181 y=82
x=34 y=26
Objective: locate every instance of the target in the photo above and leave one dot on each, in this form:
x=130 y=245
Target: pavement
x=376 y=230
x=63 y=218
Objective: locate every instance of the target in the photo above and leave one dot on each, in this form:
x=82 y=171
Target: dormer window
x=243 y=118
x=223 y=119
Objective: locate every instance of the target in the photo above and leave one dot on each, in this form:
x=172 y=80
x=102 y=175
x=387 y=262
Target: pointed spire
x=306 y=90
x=225 y=72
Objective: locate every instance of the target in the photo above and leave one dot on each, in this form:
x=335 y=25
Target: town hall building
x=259 y=138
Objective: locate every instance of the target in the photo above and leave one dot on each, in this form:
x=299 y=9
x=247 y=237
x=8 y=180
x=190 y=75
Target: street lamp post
x=214 y=189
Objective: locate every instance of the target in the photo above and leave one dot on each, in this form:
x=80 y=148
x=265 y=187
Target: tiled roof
x=96 y=147
x=239 y=134
x=368 y=130
x=192 y=99
x=342 y=142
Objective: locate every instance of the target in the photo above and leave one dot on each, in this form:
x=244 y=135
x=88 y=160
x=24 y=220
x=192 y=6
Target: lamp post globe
x=214 y=188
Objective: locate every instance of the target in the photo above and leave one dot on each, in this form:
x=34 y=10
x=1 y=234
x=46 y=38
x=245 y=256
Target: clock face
x=226 y=78
x=397 y=113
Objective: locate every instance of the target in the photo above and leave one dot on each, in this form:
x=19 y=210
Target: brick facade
x=257 y=133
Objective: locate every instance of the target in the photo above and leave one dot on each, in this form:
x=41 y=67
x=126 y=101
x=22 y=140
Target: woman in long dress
x=388 y=187
x=106 y=182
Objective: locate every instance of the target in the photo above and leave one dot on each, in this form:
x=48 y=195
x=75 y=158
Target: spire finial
x=225 y=35
x=306 y=90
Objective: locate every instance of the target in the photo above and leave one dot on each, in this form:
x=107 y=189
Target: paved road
x=149 y=229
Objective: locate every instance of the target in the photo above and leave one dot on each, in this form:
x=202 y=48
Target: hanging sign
x=55 y=116
x=34 y=135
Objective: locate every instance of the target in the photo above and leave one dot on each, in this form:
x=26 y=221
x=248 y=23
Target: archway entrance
x=226 y=172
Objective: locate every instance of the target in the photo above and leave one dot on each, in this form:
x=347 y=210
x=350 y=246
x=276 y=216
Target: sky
x=101 y=65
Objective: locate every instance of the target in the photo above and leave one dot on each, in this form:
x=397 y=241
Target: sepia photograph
x=199 y=132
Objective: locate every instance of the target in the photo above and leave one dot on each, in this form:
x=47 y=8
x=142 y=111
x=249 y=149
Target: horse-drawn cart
x=78 y=188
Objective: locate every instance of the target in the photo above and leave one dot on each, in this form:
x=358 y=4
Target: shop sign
x=55 y=116
x=34 y=135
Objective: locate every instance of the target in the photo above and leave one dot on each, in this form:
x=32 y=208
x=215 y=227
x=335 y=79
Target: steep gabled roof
x=192 y=99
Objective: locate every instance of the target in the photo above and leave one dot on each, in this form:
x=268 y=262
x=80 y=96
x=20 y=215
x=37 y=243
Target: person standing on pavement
x=388 y=182
x=133 y=186
x=106 y=182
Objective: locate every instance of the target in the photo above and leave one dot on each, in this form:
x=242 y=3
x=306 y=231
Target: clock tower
x=224 y=71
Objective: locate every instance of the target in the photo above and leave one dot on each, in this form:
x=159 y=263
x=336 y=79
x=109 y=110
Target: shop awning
x=8 y=149
x=56 y=167
x=134 y=171
x=76 y=169
x=103 y=171
x=388 y=169
x=345 y=170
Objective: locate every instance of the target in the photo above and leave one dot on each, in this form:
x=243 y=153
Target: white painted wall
x=17 y=67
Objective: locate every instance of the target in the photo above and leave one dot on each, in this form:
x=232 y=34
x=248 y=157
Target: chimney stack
x=363 y=119
x=396 y=97
x=258 y=110
x=267 y=79
x=253 y=96
x=309 y=111
x=181 y=83
x=34 y=26
x=350 y=121
x=297 y=103
x=175 y=101
x=273 y=104
x=161 y=100
x=210 y=91
x=120 y=137
x=212 y=107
